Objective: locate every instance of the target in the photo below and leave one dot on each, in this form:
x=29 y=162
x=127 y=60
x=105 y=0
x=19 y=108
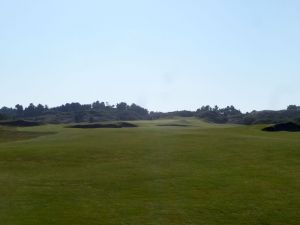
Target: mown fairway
x=164 y=175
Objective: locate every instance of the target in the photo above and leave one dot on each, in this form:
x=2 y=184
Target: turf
x=9 y=134
x=166 y=175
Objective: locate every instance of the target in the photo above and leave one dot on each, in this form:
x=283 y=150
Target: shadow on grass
x=103 y=125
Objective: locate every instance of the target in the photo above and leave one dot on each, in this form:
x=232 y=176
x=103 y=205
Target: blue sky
x=162 y=54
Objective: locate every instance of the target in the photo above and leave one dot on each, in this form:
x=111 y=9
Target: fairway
x=178 y=171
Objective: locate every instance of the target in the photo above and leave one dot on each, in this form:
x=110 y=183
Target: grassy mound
x=14 y=135
x=20 y=123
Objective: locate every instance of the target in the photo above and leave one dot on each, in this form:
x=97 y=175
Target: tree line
x=75 y=112
x=101 y=111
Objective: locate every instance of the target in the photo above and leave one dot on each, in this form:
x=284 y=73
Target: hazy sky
x=161 y=54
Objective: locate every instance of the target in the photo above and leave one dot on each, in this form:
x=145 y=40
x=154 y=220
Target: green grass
x=165 y=175
x=11 y=134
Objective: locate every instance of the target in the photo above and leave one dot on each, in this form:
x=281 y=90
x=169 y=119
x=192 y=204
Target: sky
x=161 y=54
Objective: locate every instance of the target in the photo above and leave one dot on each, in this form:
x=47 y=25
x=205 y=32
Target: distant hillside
x=100 y=111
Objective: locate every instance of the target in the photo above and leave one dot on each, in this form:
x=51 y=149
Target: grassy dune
x=165 y=172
